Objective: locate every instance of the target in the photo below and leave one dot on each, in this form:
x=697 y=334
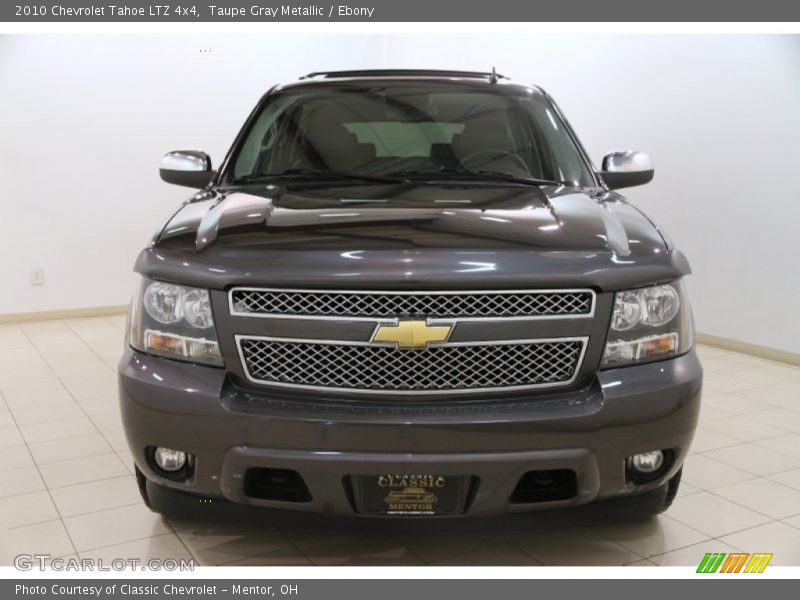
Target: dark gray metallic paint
x=515 y=237
x=228 y=428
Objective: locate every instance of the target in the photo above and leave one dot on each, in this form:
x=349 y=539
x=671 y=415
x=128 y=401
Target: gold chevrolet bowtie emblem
x=411 y=334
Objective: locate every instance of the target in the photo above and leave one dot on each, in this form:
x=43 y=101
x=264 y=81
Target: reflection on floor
x=68 y=490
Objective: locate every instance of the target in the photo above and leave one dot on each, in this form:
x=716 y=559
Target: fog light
x=647 y=462
x=168 y=459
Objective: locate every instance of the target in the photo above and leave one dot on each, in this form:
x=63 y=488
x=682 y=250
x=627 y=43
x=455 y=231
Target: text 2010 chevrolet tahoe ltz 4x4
x=409 y=293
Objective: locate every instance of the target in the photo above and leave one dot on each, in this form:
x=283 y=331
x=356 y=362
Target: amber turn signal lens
x=662 y=344
x=181 y=347
x=164 y=343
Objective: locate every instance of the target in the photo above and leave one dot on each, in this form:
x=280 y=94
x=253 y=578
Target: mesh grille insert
x=428 y=304
x=437 y=368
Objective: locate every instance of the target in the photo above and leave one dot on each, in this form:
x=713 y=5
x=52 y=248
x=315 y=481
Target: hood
x=413 y=216
x=322 y=231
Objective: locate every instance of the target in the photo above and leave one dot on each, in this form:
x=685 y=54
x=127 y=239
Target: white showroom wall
x=85 y=119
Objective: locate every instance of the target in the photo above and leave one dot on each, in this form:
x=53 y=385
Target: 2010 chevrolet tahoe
x=409 y=294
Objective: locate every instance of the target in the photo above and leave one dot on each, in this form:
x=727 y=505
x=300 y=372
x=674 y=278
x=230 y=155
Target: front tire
x=672 y=489
x=141 y=481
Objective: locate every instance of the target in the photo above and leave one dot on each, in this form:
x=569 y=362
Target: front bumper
x=229 y=429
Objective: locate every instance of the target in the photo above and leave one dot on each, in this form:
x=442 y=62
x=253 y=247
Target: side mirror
x=191 y=168
x=627 y=168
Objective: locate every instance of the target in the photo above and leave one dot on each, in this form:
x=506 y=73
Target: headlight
x=197 y=308
x=164 y=302
x=649 y=324
x=174 y=321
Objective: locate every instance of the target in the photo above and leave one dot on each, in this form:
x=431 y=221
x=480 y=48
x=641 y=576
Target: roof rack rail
x=491 y=75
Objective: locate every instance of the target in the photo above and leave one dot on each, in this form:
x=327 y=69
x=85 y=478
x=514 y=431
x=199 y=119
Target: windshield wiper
x=483 y=174
x=318 y=174
x=503 y=176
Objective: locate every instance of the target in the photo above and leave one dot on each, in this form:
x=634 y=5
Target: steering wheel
x=498 y=153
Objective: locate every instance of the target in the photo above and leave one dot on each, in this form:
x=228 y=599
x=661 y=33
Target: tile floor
x=67 y=487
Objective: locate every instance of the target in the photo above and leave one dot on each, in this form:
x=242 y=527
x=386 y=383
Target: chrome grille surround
x=377 y=305
x=446 y=368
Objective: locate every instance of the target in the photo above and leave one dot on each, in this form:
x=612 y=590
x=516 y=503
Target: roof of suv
x=492 y=76
x=400 y=76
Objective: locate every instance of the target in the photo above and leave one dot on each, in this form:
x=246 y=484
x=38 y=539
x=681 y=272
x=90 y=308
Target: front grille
x=320 y=303
x=445 y=368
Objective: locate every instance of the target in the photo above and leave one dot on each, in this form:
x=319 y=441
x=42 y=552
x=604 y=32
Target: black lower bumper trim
x=548 y=485
x=173 y=503
x=284 y=485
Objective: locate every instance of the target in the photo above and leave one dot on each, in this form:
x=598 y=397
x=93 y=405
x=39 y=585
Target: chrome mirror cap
x=190 y=168
x=627 y=168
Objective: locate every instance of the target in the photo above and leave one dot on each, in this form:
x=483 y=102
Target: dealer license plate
x=411 y=495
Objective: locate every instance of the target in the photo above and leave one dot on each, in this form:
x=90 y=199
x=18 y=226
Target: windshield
x=411 y=132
